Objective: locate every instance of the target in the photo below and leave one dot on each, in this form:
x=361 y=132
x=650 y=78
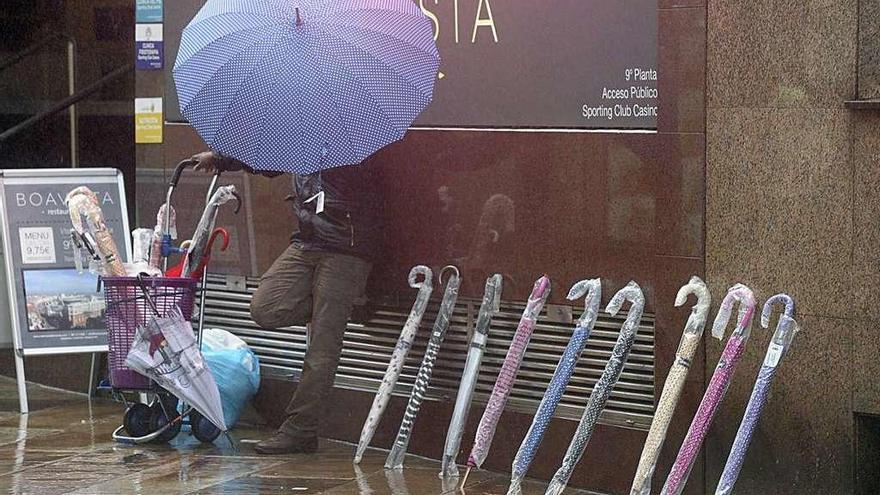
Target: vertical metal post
x=93 y=369
x=204 y=281
x=71 y=89
x=20 y=379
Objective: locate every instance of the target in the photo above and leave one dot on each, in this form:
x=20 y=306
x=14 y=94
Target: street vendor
x=315 y=281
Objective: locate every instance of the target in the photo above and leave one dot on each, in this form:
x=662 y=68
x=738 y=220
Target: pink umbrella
x=731 y=356
x=509 y=370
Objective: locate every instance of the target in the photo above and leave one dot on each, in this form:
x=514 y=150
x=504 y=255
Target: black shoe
x=282 y=443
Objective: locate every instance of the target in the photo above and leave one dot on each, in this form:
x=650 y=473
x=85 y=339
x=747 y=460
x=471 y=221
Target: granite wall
x=792 y=205
x=869 y=49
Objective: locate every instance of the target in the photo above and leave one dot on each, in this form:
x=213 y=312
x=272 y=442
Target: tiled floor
x=66 y=447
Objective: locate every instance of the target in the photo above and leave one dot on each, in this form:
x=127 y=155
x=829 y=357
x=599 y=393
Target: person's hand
x=210 y=162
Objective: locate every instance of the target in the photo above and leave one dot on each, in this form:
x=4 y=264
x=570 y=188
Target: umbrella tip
x=298 y=18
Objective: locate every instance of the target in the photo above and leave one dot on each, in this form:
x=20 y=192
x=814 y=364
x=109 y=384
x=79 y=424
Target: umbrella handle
x=175 y=177
x=218 y=232
x=237 y=202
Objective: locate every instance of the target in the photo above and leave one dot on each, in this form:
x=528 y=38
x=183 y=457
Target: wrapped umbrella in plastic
x=90 y=230
x=687 y=348
x=398 y=356
x=599 y=396
x=559 y=382
x=140 y=259
x=166 y=351
x=507 y=375
x=490 y=305
x=785 y=332
x=717 y=387
x=166 y=221
x=441 y=325
x=194 y=261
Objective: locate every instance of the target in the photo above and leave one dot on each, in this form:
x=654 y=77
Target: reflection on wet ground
x=65 y=447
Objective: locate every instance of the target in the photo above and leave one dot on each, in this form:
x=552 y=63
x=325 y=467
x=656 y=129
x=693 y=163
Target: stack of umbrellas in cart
x=591 y=291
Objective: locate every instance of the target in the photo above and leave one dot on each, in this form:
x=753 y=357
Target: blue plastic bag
x=236 y=370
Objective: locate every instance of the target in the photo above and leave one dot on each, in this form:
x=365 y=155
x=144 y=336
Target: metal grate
x=367 y=349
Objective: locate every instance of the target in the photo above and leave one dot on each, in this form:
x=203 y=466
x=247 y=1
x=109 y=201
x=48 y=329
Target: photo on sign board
x=63 y=299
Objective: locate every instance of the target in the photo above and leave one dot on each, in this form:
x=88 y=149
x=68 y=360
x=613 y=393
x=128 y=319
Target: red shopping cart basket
x=127 y=309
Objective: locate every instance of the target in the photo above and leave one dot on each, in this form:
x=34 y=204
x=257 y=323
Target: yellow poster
x=148 y=120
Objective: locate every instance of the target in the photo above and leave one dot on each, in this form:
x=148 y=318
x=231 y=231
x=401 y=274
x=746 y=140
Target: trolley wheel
x=158 y=420
x=202 y=428
x=137 y=420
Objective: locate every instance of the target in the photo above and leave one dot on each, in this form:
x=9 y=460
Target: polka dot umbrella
x=302 y=86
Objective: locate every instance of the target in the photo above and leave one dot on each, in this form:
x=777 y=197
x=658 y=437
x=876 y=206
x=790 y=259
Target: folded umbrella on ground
x=420 y=387
x=398 y=356
x=564 y=369
x=602 y=391
x=717 y=388
x=490 y=305
x=687 y=348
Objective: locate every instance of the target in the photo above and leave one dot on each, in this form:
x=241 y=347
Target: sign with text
x=567 y=64
x=563 y=64
x=148 y=123
x=148 y=11
x=150 y=54
x=55 y=308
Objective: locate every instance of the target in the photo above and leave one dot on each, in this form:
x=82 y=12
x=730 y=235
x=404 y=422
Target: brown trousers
x=316 y=288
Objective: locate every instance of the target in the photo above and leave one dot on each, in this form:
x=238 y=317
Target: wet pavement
x=65 y=446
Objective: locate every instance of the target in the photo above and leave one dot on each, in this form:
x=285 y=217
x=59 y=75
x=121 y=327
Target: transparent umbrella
x=166 y=351
x=489 y=306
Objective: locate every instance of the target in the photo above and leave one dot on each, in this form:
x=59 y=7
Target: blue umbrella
x=302 y=86
x=786 y=329
x=567 y=364
x=603 y=388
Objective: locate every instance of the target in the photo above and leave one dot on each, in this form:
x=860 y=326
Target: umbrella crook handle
x=700 y=311
x=746 y=298
x=175 y=178
x=592 y=289
x=632 y=293
x=448 y=267
x=218 y=232
x=422 y=270
x=768 y=308
x=237 y=202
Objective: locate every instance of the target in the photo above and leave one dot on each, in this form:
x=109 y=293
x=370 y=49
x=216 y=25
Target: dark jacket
x=351 y=220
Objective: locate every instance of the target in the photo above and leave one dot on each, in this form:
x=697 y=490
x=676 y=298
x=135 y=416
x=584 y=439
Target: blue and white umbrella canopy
x=302 y=86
